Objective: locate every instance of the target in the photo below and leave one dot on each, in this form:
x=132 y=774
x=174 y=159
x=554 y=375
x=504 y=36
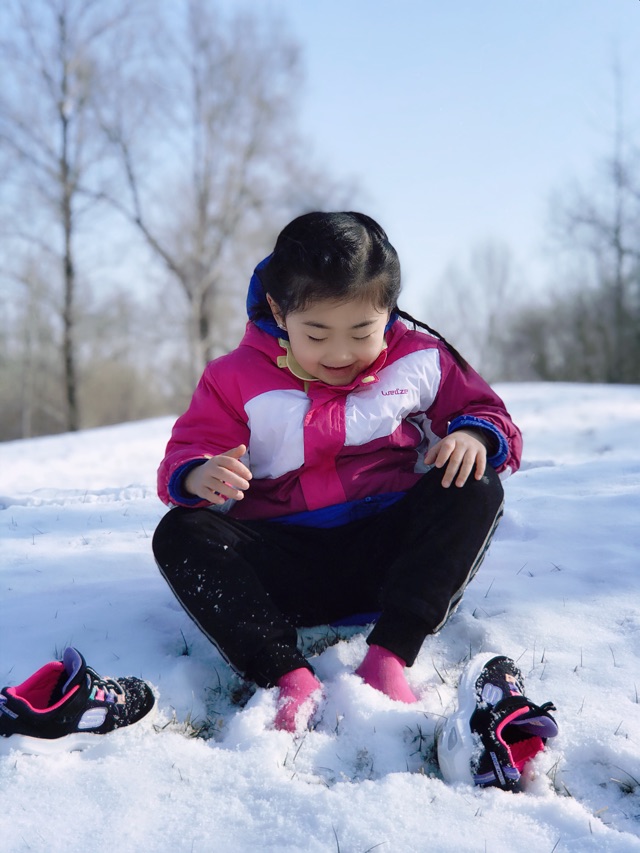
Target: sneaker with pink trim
x=65 y=704
x=495 y=730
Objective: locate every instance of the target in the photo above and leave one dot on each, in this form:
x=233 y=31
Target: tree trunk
x=68 y=349
x=68 y=266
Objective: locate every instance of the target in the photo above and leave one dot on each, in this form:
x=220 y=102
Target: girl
x=351 y=463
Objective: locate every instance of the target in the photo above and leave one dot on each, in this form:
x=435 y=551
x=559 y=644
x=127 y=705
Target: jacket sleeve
x=465 y=400
x=211 y=425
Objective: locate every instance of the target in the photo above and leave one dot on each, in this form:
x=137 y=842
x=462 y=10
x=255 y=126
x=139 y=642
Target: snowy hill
x=559 y=592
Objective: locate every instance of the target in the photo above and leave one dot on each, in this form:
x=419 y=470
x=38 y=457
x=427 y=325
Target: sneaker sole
x=75 y=742
x=456 y=743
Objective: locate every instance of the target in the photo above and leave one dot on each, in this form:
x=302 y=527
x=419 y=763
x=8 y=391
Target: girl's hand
x=220 y=478
x=462 y=451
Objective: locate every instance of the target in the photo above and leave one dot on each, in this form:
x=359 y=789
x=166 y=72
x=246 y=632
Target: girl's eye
x=316 y=340
x=362 y=339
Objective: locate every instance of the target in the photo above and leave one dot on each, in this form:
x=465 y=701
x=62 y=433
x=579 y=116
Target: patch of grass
x=191 y=727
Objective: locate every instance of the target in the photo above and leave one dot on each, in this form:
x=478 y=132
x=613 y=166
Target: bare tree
x=227 y=164
x=30 y=372
x=170 y=129
x=119 y=371
x=598 y=228
x=50 y=53
x=472 y=305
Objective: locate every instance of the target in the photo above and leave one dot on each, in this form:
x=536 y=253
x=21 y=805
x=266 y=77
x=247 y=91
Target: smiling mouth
x=338 y=369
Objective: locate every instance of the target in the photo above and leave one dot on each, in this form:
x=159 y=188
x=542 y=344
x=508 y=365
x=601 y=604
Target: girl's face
x=335 y=341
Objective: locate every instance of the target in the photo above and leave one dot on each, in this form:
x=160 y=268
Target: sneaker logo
x=395 y=391
x=491 y=694
x=93 y=718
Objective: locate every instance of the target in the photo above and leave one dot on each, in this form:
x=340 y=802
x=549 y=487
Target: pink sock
x=385 y=671
x=296 y=702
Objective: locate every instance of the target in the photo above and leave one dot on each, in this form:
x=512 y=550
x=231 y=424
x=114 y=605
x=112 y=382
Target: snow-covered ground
x=559 y=592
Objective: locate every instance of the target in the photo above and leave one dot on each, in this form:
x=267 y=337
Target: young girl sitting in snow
x=338 y=462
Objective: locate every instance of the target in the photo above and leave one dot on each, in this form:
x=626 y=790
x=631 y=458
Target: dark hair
x=339 y=256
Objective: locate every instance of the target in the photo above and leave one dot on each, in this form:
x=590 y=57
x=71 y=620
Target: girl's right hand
x=220 y=478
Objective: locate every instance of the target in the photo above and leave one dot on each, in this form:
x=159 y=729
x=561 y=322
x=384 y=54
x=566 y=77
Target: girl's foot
x=385 y=671
x=298 y=696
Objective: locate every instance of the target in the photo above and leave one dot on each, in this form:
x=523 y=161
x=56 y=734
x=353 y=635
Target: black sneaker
x=64 y=705
x=496 y=729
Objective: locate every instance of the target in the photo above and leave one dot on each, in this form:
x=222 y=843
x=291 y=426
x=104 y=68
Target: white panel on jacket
x=276 y=421
x=408 y=385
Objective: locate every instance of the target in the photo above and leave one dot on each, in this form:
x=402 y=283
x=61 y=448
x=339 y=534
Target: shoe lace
x=110 y=686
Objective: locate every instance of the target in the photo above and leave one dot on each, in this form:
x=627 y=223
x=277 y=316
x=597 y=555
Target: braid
x=463 y=363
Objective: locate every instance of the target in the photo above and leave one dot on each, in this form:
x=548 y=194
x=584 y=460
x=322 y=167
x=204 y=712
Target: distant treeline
x=150 y=152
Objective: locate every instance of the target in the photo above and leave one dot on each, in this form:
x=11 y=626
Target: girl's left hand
x=461 y=452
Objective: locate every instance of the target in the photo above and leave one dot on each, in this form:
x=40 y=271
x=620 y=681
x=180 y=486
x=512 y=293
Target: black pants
x=249 y=584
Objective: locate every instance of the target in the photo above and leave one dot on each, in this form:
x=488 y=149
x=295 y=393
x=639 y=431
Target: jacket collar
x=278 y=350
x=367 y=377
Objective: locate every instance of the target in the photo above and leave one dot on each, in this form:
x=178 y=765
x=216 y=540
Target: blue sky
x=459 y=118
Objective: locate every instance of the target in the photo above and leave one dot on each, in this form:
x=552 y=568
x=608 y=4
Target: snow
x=558 y=592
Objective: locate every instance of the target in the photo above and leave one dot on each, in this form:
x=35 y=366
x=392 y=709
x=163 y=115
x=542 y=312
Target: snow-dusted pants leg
x=214 y=565
x=439 y=539
x=249 y=584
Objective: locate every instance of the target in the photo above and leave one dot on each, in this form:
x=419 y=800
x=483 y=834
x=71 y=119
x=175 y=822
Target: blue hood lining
x=257 y=298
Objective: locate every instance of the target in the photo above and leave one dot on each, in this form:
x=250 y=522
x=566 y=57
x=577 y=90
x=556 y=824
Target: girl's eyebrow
x=324 y=326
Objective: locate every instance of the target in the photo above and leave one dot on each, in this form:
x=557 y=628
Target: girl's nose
x=339 y=358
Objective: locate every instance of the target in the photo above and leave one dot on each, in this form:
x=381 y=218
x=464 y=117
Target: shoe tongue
x=75 y=666
x=536 y=722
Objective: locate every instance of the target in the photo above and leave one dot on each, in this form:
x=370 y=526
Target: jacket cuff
x=175 y=486
x=500 y=456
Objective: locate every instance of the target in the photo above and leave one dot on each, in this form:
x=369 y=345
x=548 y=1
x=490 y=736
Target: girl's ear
x=277 y=314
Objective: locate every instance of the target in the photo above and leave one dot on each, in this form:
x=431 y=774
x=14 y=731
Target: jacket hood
x=257 y=298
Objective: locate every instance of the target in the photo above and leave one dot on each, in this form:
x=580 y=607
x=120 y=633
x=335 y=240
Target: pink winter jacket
x=312 y=445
